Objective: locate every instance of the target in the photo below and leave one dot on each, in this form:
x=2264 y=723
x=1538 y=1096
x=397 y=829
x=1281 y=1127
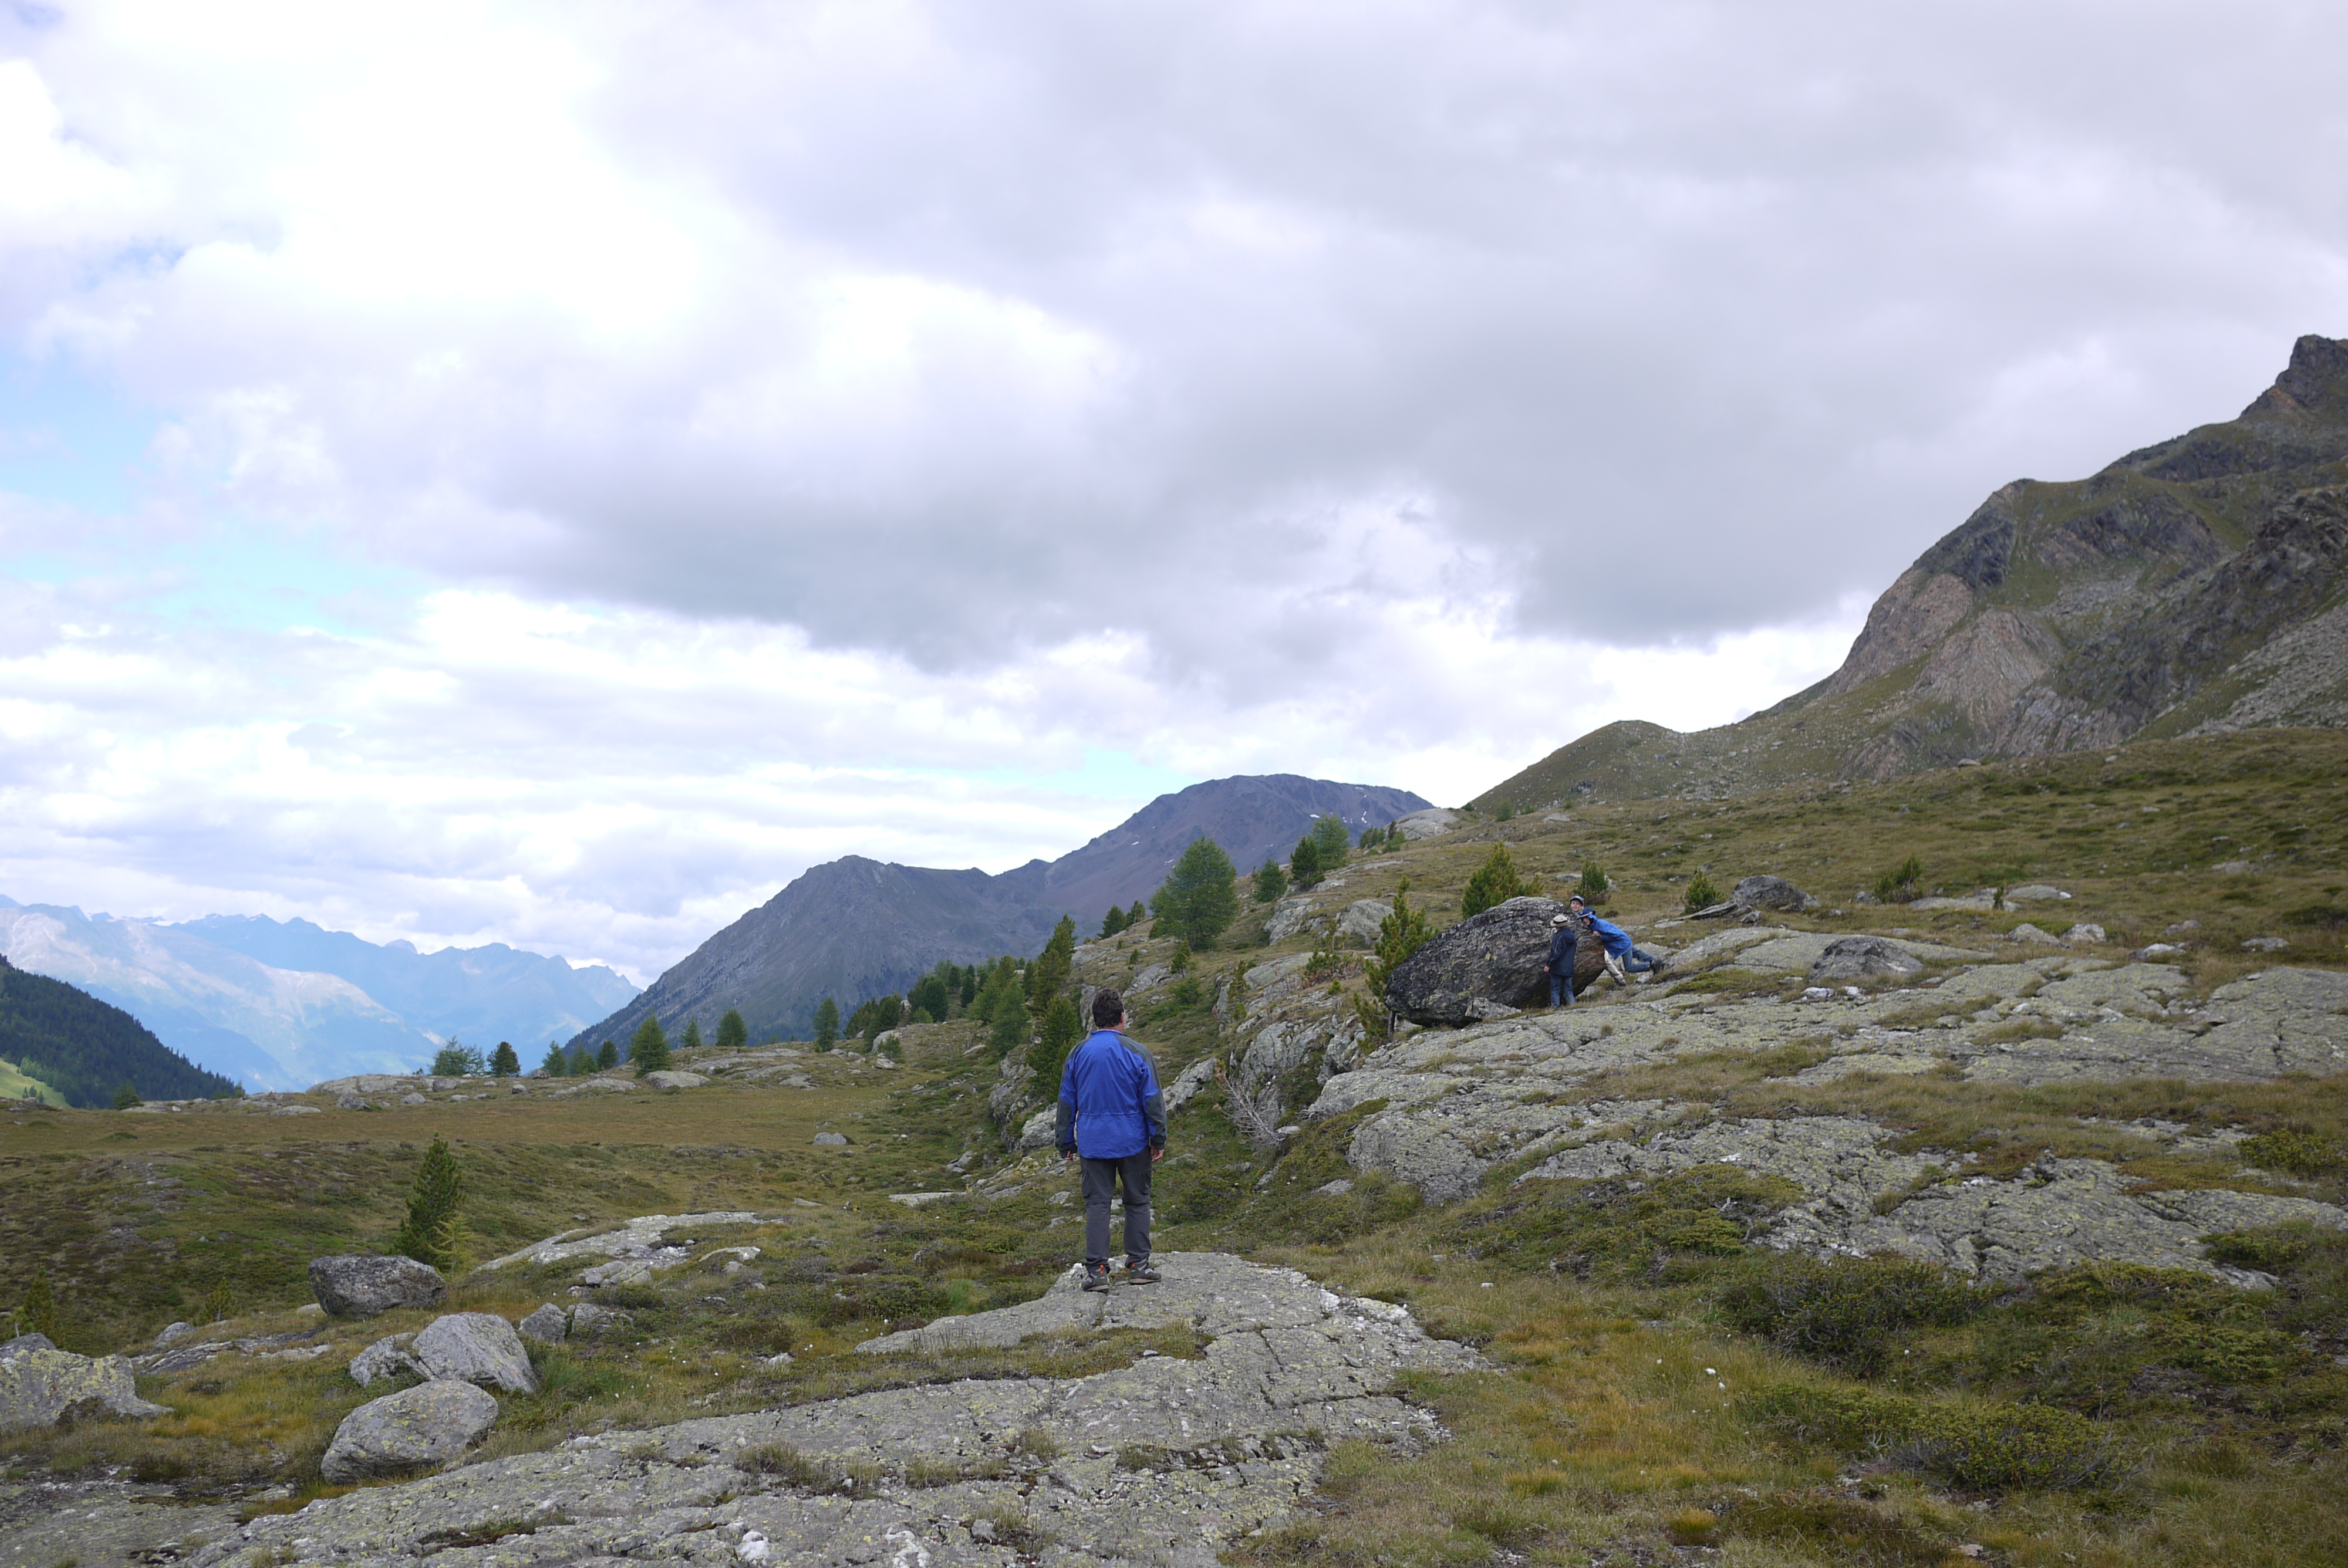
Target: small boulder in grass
x=474 y=1347
x=2085 y=934
x=386 y=1358
x=419 y=1428
x=1848 y=958
x=547 y=1325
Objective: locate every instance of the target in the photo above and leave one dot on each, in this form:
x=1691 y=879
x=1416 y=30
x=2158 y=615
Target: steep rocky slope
x=853 y=928
x=2193 y=586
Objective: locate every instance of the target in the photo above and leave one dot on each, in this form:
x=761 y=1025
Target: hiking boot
x=1139 y=1271
x=1095 y=1276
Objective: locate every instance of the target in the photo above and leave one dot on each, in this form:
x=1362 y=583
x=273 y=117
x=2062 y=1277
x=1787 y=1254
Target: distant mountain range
x=283 y=1005
x=2197 y=586
x=854 y=928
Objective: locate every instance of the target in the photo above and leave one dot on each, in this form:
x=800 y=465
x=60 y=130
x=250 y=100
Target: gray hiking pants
x=1102 y=1178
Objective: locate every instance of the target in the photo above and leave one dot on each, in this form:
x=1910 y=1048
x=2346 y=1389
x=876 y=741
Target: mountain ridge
x=855 y=928
x=285 y=1025
x=2196 y=585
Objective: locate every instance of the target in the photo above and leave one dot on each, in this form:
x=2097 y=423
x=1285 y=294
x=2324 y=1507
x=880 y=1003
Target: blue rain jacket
x=1109 y=1103
x=1617 y=940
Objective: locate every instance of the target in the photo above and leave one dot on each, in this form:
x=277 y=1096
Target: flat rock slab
x=1459 y=1102
x=1160 y=1462
x=2061 y=1213
x=103 y=1524
x=631 y=1238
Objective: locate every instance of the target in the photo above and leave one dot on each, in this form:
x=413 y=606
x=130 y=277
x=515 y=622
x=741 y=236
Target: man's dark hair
x=1107 y=1007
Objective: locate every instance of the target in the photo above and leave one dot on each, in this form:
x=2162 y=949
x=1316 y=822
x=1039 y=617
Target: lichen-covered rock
x=1499 y=956
x=644 y=1236
x=547 y=1325
x=589 y=1319
x=1769 y=892
x=1293 y=914
x=386 y=1358
x=40 y=1383
x=1847 y=960
x=474 y=1347
x=361 y=1286
x=1038 y=1131
x=430 y=1424
x=1861 y=1197
x=670 y=1079
x=1192 y=1452
x=1358 y=925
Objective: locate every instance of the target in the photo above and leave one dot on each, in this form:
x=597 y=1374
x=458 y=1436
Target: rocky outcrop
x=1459 y=1105
x=2193 y=586
x=1770 y=893
x=474 y=1347
x=1853 y=960
x=643 y=1236
x=428 y=1425
x=40 y=1384
x=362 y=1286
x=1177 y=1457
x=1497 y=958
x=1358 y=925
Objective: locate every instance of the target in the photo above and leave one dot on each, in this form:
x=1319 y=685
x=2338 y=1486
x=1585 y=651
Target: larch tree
x=1196 y=902
x=648 y=1046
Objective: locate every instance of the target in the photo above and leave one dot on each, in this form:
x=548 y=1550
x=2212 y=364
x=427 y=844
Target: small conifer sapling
x=432 y=1233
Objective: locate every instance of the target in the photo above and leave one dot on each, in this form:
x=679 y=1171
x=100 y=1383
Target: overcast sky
x=550 y=473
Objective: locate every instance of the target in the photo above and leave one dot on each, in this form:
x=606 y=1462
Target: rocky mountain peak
x=2193 y=584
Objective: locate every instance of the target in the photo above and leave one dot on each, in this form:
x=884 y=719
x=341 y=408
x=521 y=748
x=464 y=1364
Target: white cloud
x=615 y=786
x=1388 y=391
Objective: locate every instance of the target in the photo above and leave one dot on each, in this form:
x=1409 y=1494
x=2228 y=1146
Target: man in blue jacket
x=1622 y=959
x=1110 y=1111
x=1564 y=943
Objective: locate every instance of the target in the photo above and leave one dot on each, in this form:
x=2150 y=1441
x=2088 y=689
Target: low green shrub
x=1844 y=1311
x=1617 y=1229
x=2296 y=1151
x=1838 y=1529
x=1701 y=893
x=1903 y=884
x=1984 y=1446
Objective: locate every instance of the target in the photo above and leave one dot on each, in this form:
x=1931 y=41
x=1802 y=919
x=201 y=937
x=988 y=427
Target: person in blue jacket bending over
x=1111 y=1115
x=1622 y=959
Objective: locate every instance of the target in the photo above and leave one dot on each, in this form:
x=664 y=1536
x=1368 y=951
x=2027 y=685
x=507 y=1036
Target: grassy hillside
x=85 y=1049
x=1656 y=1390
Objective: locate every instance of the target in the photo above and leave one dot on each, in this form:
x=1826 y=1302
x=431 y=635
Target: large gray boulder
x=1497 y=957
x=1849 y=960
x=474 y=1347
x=358 y=1287
x=430 y=1424
x=40 y=1383
x=1769 y=892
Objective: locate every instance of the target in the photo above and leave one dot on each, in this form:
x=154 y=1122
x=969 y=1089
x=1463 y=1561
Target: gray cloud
x=918 y=327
